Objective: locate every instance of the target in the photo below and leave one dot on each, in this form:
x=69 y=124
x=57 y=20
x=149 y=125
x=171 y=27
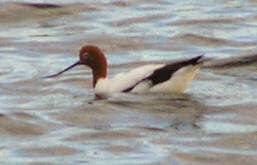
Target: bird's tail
x=200 y=59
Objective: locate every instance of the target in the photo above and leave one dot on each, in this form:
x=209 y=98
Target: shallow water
x=56 y=121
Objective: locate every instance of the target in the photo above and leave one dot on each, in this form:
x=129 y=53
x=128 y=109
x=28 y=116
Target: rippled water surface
x=56 y=121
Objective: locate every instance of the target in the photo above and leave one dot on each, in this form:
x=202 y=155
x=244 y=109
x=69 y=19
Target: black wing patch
x=164 y=73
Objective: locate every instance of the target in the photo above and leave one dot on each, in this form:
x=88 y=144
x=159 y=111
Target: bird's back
x=174 y=77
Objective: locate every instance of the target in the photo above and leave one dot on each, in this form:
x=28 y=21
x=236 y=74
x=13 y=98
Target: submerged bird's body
x=164 y=78
x=142 y=80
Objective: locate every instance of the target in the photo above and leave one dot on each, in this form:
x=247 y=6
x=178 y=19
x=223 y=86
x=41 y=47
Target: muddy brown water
x=57 y=121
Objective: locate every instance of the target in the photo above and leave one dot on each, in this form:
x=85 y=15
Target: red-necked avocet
x=163 y=78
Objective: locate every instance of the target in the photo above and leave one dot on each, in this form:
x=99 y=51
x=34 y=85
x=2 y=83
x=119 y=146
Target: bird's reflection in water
x=171 y=111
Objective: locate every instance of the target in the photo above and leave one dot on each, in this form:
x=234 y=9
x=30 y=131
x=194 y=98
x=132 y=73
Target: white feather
x=177 y=83
x=123 y=81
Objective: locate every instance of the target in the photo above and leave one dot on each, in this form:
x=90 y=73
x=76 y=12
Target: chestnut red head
x=90 y=56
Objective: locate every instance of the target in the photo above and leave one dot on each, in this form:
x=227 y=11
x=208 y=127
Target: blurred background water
x=57 y=121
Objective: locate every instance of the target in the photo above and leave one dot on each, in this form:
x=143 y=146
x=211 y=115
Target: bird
x=172 y=77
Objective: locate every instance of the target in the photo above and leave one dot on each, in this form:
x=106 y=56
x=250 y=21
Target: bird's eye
x=85 y=54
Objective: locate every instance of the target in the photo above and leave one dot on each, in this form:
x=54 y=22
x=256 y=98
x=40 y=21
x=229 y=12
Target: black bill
x=57 y=74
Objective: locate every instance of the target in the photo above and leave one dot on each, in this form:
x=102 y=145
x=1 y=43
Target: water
x=57 y=120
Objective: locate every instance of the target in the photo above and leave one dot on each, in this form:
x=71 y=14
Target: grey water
x=57 y=121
